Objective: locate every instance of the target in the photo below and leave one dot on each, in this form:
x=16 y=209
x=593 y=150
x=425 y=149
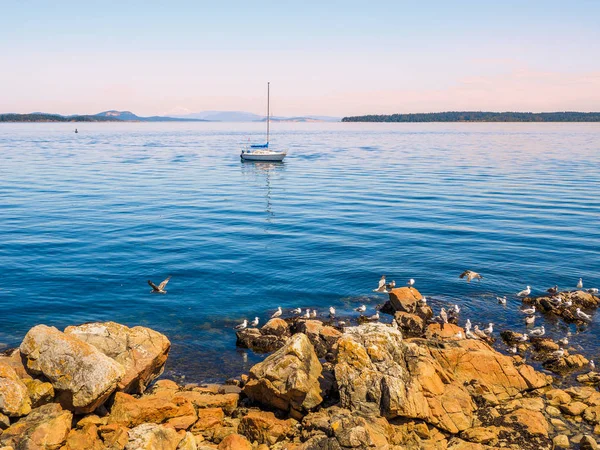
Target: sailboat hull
x=263 y=156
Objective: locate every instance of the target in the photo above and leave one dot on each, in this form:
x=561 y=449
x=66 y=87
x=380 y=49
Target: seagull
x=563 y=341
x=529 y=311
x=470 y=335
x=411 y=283
x=394 y=325
x=160 y=289
x=479 y=333
x=593 y=290
x=443 y=315
x=454 y=310
x=313 y=314
x=556 y=301
x=277 y=313
x=538 y=331
x=522 y=338
x=513 y=349
x=254 y=323
x=470 y=275
x=381 y=287
x=553 y=290
x=390 y=286
x=242 y=325
x=423 y=301
x=458 y=335
x=489 y=330
x=568 y=303
x=582 y=315
x=361 y=308
x=529 y=320
x=468 y=325
x=501 y=300
x=591 y=364
x=558 y=354
x=525 y=292
x=374 y=316
x=296 y=311
x=307 y=314
x=332 y=311
x=580 y=284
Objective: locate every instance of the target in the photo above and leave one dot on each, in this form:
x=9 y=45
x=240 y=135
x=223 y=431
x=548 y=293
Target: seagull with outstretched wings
x=160 y=289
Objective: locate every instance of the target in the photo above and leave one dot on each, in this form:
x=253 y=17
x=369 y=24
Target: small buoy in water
x=76 y=130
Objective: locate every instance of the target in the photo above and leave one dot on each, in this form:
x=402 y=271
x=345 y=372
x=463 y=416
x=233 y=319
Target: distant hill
x=106 y=116
x=243 y=116
x=480 y=116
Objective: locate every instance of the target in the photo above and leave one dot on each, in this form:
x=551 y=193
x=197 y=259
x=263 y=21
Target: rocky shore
x=413 y=384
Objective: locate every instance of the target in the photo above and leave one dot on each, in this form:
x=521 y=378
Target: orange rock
x=444 y=331
x=130 y=411
x=264 y=427
x=208 y=418
x=533 y=422
x=46 y=427
x=235 y=442
x=276 y=327
x=227 y=402
x=405 y=299
x=14 y=397
x=115 y=436
x=85 y=438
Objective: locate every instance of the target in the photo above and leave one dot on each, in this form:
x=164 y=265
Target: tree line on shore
x=480 y=116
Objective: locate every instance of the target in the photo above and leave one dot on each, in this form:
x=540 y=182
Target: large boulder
x=377 y=373
x=264 y=428
x=14 y=397
x=140 y=350
x=289 y=378
x=46 y=427
x=82 y=376
x=322 y=337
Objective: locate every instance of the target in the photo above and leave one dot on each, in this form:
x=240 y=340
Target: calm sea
x=86 y=219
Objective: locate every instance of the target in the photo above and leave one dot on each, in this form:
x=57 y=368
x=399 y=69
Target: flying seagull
x=470 y=275
x=381 y=286
x=160 y=289
x=524 y=292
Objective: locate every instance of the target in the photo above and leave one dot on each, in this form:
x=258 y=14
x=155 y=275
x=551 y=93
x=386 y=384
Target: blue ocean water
x=86 y=219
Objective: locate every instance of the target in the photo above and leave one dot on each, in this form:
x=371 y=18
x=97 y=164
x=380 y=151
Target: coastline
x=416 y=383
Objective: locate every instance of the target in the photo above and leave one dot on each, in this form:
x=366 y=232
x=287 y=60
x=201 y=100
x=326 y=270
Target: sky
x=334 y=58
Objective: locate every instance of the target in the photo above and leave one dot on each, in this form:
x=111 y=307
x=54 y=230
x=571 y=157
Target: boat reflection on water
x=264 y=174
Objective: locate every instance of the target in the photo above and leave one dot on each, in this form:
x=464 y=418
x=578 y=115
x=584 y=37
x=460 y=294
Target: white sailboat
x=261 y=152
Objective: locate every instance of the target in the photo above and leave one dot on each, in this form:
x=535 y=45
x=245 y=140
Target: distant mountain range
x=243 y=116
x=480 y=116
x=106 y=116
x=128 y=116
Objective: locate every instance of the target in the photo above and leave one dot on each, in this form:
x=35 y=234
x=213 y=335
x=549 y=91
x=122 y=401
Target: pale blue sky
x=334 y=58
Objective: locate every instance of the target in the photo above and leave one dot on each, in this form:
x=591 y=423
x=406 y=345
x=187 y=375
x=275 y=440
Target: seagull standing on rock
x=307 y=314
x=580 y=283
x=489 y=330
x=468 y=325
x=277 y=313
x=582 y=315
x=254 y=323
x=470 y=275
x=444 y=315
x=331 y=311
x=410 y=283
x=525 y=292
x=390 y=286
x=242 y=325
x=538 y=331
x=553 y=290
x=513 y=350
x=313 y=314
x=593 y=291
x=558 y=354
x=160 y=289
x=296 y=311
x=423 y=301
x=564 y=341
x=479 y=333
x=381 y=286
x=375 y=316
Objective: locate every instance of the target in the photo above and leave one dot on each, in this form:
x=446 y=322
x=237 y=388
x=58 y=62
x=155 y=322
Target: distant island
x=480 y=116
x=106 y=116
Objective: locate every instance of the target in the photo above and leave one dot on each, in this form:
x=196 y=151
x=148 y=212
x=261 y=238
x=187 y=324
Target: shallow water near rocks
x=86 y=219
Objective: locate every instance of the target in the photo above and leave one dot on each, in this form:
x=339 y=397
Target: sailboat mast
x=268 y=108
